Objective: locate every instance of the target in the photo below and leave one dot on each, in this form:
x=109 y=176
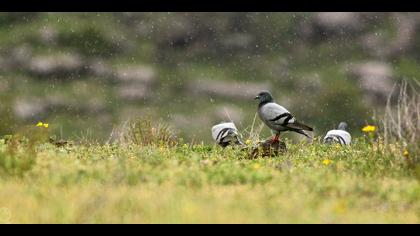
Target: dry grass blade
x=401 y=121
x=146 y=133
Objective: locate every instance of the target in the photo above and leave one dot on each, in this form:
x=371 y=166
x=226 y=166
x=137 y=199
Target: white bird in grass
x=225 y=134
x=339 y=135
x=277 y=117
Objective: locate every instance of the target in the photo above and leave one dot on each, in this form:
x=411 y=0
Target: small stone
x=61 y=64
x=133 y=92
x=137 y=73
x=27 y=109
x=268 y=148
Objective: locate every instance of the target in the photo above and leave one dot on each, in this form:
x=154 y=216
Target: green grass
x=365 y=183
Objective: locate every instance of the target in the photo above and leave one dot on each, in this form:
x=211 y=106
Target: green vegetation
x=369 y=182
x=302 y=58
x=89 y=75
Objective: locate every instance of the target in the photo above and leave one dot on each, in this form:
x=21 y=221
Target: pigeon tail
x=302 y=132
x=300 y=126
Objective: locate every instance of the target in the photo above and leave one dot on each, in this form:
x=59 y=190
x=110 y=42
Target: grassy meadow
x=368 y=182
x=90 y=76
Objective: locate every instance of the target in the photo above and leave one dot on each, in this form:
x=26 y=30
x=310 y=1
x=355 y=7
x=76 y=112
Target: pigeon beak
x=257 y=97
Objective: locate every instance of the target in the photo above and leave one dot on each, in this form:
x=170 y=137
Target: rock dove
x=226 y=134
x=339 y=135
x=277 y=117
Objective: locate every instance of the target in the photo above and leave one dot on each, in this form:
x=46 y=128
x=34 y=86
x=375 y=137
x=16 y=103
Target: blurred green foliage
x=301 y=58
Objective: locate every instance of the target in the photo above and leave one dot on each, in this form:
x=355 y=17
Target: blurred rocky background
x=88 y=73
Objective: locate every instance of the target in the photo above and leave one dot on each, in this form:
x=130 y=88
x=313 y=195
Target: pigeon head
x=264 y=97
x=342 y=126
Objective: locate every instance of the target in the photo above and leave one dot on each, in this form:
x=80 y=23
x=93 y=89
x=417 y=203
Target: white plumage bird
x=225 y=134
x=339 y=135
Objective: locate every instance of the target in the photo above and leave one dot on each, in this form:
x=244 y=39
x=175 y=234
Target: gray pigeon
x=277 y=117
x=339 y=135
x=226 y=134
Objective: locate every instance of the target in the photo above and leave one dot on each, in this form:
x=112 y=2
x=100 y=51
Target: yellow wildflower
x=256 y=166
x=340 y=208
x=41 y=124
x=369 y=128
x=248 y=141
x=406 y=153
x=326 y=162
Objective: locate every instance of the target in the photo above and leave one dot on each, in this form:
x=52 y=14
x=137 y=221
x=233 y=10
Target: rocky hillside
x=88 y=73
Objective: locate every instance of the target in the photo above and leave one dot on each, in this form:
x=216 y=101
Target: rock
x=48 y=34
x=372 y=69
x=133 y=92
x=375 y=79
x=238 y=41
x=234 y=89
x=143 y=29
x=268 y=148
x=38 y=108
x=177 y=31
x=136 y=82
x=330 y=24
x=382 y=46
x=99 y=68
x=336 y=21
x=21 y=55
x=136 y=73
x=30 y=109
x=56 y=103
x=58 y=65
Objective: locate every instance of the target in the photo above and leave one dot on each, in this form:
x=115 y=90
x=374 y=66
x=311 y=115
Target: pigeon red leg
x=276 y=138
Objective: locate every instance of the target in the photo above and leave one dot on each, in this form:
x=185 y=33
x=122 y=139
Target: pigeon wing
x=276 y=114
x=341 y=136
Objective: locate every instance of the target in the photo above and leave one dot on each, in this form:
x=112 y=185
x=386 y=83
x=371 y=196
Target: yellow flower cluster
x=40 y=124
x=369 y=129
x=326 y=162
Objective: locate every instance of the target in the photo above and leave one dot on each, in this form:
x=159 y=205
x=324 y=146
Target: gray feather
x=275 y=116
